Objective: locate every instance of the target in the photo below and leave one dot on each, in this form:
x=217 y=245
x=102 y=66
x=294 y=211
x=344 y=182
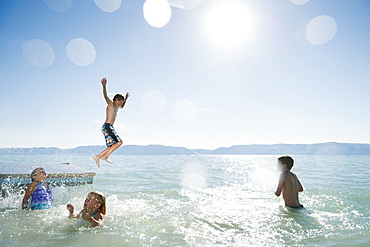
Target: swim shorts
x=110 y=134
x=299 y=206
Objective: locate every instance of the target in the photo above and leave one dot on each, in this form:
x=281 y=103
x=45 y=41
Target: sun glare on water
x=228 y=24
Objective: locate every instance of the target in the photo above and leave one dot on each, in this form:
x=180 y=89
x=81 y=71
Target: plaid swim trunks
x=110 y=134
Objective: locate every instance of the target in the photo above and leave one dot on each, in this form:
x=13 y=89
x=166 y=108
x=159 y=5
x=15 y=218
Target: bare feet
x=96 y=160
x=107 y=160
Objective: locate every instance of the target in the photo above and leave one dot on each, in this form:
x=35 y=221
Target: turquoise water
x=200 y=201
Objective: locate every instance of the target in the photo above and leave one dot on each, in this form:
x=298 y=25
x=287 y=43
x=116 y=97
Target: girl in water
x=38 y=192
x=93 y=212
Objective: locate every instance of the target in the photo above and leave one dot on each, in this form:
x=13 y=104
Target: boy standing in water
x=289 y=183
x=112 y=140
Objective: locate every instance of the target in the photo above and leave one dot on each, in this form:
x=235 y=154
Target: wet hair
x=33 y=173
x=101 y=200
x=287 y=160
x=118 y=97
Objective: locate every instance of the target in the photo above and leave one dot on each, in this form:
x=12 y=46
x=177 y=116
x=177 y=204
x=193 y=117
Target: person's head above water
x=286 y=160
x=38 y=175
x=95 y=201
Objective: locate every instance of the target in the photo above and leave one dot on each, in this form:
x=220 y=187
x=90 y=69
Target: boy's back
x=290 y=189
x=289 y=183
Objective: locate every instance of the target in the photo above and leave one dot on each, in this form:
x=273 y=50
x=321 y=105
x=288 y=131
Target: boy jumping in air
x=112 y=140
x=289 y=183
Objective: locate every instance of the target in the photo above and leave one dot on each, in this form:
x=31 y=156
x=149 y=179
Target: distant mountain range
x=329 y=148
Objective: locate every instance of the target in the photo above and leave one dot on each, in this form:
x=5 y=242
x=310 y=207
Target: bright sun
x=228 y=23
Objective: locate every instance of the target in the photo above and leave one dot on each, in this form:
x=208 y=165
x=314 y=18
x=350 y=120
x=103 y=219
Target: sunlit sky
x=201 y=73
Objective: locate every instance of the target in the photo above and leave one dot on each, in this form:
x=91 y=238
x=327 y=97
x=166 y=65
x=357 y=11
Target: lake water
x=218 y=200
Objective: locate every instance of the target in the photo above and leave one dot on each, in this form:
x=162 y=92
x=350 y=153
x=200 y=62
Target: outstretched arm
x=126 y=97
x=105 y=93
